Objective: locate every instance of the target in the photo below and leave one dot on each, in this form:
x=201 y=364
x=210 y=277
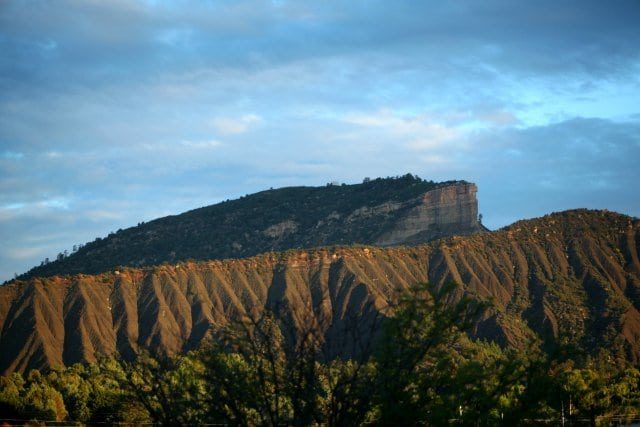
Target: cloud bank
x=115 y=112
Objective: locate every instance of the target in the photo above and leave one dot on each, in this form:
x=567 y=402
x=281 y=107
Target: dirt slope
x=574 y=274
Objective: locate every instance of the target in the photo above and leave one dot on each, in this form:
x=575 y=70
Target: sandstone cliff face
x=445 y=211
x=574 y=274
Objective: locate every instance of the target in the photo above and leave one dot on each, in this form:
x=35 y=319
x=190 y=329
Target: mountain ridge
x=387 y=211
x=573 y=275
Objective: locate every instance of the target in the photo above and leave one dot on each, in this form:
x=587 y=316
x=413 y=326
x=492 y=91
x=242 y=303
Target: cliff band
x=446 y=211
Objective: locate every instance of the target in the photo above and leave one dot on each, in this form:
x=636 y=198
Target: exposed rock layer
x=446 y=211
x=575 y=274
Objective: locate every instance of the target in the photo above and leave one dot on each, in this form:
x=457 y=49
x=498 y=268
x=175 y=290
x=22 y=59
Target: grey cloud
x=521 y=173
x=577 y=163
x=102 y=42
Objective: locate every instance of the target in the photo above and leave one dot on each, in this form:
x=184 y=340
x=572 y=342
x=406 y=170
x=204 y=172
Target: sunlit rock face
x=445 y=211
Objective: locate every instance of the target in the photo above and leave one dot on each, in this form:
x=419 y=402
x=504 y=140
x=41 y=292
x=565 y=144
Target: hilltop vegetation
x=272 y=220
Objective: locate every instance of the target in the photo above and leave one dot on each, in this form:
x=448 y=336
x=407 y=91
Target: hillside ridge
x=573 y=275
x=402 y=210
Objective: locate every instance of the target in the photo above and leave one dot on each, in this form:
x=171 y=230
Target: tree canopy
x=423 y=369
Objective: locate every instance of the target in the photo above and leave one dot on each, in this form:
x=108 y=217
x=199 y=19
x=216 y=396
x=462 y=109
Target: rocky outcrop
x=445 y=211
x=571 y=276
x=281 y=229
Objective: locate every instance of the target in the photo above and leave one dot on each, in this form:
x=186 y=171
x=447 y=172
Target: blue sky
x=114 y=112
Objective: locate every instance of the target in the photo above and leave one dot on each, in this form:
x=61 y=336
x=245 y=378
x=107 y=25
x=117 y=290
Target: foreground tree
x=34 y=398
x=411 y=365
x=417 y=353
x=598 y=389
x=257 y=377
x=170 y=390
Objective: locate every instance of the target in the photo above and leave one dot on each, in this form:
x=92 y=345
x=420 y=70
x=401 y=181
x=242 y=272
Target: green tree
x=425 y=328
x=350 y=390
x=171 y=390
x=11 y=390
x=41 y=401
x=260 y=377
x=599 y=389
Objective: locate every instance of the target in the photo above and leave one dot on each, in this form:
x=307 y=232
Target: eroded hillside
x=574 y=274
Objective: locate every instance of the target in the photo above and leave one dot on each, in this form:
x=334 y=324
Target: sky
x=114 y=112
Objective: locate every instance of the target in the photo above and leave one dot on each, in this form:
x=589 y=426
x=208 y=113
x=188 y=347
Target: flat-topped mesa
x=383 y=211
x=444 y=211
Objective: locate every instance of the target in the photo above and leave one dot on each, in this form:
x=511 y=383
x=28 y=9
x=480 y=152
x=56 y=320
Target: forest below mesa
x=417 y=366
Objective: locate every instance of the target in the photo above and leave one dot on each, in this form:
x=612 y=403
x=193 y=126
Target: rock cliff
x=404 y=210
x=572 y=276
x=445 y=211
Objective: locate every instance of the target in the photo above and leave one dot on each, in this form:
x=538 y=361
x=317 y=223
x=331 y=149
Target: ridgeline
x=403 y=210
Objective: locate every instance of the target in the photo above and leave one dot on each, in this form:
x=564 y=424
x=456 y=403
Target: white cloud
x=13 y=206
x=102 y=215
x=54 y=203
x=32 y=209
x=53 y=154
x=24 y=253
x=417 y=132
x=435 y=159
x=499 y=117
x=201 y=144
x=236 y=125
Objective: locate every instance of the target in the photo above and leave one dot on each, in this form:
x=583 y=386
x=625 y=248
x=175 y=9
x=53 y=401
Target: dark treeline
x=415 y=367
